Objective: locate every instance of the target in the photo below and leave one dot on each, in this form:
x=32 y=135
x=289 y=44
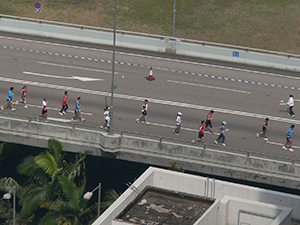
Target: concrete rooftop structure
x=161 y=196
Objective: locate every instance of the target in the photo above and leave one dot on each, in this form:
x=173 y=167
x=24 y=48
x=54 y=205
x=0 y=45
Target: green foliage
x=5 y=211
x=110 y=196
x=53 y=185
x=175 y=168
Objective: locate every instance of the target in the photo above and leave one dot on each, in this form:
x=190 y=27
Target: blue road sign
x=37 y=5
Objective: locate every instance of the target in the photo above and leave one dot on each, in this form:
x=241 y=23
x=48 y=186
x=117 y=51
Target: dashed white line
x=207 y=86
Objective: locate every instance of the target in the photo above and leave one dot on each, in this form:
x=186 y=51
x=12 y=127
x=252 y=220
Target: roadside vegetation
x=269 y=24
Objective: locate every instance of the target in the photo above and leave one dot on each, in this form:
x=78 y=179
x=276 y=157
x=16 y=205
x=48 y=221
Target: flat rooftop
x=159 y=206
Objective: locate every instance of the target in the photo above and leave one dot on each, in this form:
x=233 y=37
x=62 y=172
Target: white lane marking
x=75 y=67
x=281 y=144
x=207 y=86
x=59 y=120
x=56 y=109
x=61 y=77
x=152 y=100
x=154 y=57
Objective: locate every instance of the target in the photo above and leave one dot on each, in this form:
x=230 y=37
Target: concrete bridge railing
x=154 y=152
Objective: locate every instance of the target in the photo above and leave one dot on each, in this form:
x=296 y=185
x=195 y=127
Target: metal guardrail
x=167 y=139
x=81 y=26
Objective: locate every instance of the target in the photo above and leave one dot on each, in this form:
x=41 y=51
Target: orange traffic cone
x=150 y=78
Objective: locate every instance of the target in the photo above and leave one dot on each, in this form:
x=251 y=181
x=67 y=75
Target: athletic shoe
x=216 y=142
x=293 y=116
x=223 y=144
x=25 y=106
x=177 y=134
x=266 y=139
x=46 y=121
x=137 y=120
x=101 y=126
x=200 y=145
x=13 y=109
x=64 y=113
x=82 y=119
x=72 y=119
x=284 y=148
x=17 y=102
x=1 y=108
x=147 y=123
x=193 y=141
x=291 y=150
x=60 y=113
x=257 y=135
x=37 y=119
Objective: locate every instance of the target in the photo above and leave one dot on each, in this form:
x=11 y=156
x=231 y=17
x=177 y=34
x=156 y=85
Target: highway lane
x=49 y=68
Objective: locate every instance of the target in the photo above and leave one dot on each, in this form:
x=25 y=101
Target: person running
x=264 y=126
x=178 y=123
x=23 y=97
x=9 y=99
x=107 y=123
x=78 y=110
x=144 y=108
x=208 y=120
x=106 y=116
x=289 y=138
x=291 y=104
x=44 y=111
x=201 y=133
x=64 y=104
x=222 y=129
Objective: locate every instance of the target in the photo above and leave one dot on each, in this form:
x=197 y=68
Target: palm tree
x=45 y=172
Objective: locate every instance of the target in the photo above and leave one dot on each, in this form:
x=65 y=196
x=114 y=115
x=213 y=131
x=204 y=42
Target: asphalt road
x=191 y=85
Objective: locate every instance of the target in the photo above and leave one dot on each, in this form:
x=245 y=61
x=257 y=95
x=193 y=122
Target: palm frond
x=33 y=198
x=7 y=184
x=110 y=196
x=56 y=148
x=69 y=189
x=51 y=218
x=29 y=168
x=47 y=162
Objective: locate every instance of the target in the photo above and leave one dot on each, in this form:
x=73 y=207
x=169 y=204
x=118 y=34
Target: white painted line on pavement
x=56 y=109
x=207 y=86
x=151 y=100
x=61 y=77
x=281 y=144
x=75 y=67
x=153 y=57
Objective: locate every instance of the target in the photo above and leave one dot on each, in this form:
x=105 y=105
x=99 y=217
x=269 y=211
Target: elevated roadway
x=241 y=95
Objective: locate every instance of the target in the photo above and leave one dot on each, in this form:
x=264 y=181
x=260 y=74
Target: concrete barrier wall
x=164 y=44
x=152 y=152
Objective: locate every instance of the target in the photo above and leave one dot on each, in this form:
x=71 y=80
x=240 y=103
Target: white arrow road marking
x=75 y=67
x=61 y=77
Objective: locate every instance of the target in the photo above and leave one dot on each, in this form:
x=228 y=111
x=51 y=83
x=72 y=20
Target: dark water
x=111 y=173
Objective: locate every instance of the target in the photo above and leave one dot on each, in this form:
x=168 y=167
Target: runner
x=208 y=120
x=64 y=104
x=44 y=110
x=9 y=99
x=201 y=133
x=144 y=108
x=23 y=97
x=107 y=124
x=291 y=105
x=77 y=110
x=222 y=129
x=106 y=116
x=264 y=129
x=289 y=138
x=178 y=123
